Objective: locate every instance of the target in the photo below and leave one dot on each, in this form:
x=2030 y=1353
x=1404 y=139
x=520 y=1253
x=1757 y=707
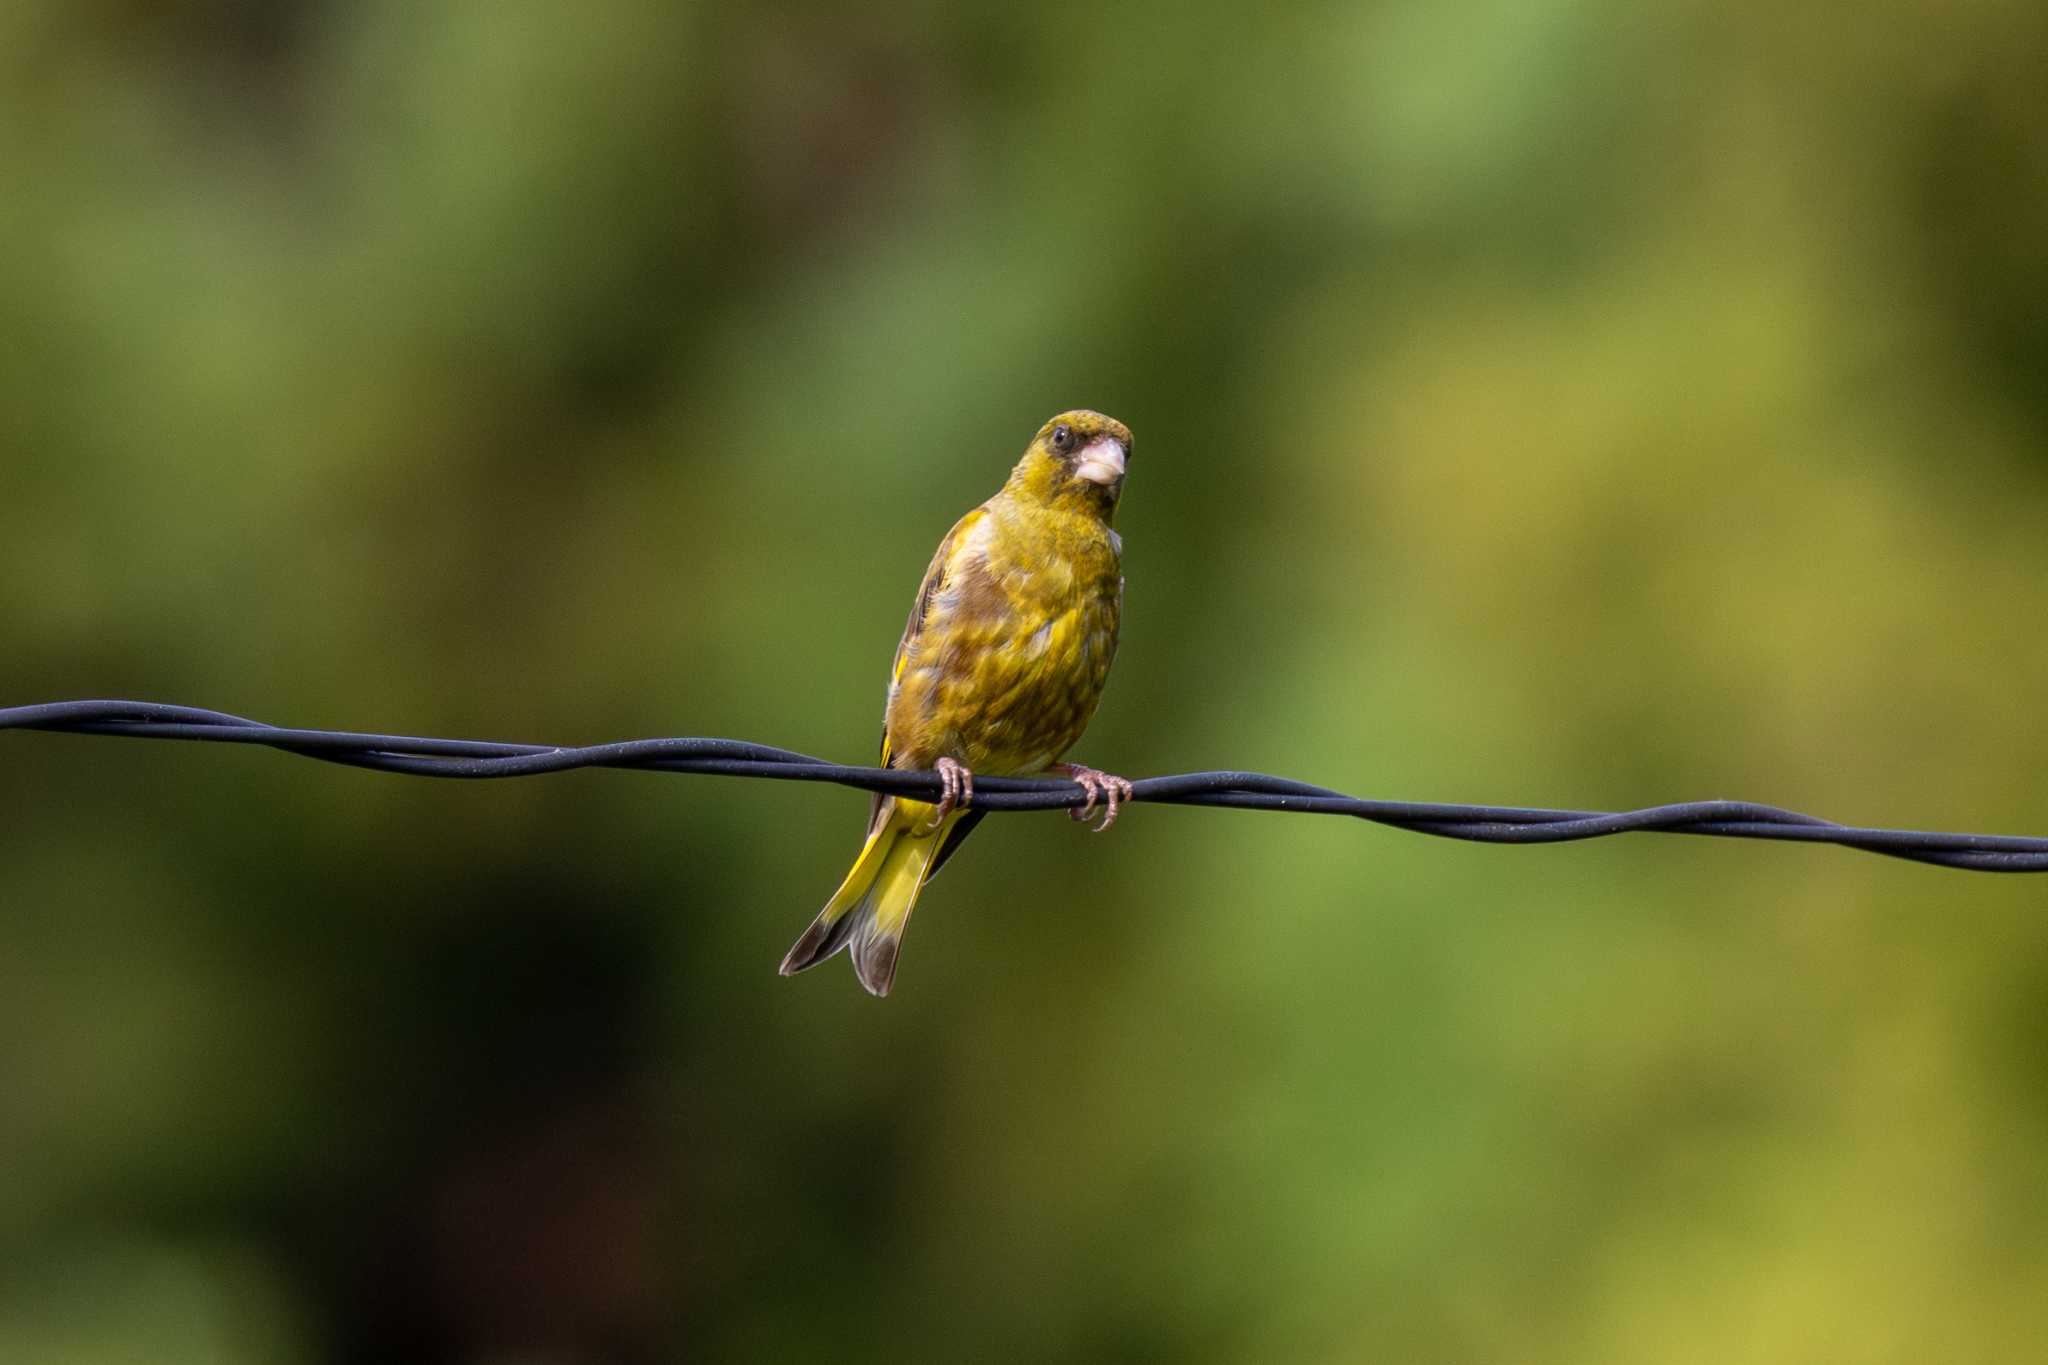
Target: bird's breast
x=1013 y=659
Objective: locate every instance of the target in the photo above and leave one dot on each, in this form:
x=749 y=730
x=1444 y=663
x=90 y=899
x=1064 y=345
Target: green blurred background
x=1542 y=403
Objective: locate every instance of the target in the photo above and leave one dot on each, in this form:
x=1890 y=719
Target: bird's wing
x=935 y=577
x=942 y=568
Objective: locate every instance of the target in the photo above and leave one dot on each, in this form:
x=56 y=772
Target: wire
x=478 y=759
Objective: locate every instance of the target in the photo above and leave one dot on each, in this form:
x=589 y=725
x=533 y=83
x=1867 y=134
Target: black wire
x=466 y=758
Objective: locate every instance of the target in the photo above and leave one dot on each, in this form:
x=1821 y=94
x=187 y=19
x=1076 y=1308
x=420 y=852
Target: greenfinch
x=999 y=671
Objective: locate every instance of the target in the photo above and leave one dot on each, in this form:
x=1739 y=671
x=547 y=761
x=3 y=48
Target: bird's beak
x=1102 y=461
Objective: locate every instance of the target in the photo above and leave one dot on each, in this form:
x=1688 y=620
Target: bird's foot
x=1112 y=791
x=957 y=784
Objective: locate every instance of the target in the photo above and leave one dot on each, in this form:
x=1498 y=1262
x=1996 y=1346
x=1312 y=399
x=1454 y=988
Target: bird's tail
x=869 y=912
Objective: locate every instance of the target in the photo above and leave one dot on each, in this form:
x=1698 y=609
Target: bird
x=999 y=671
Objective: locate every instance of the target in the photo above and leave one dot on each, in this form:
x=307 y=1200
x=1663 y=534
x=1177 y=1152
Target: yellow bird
x=998 y=672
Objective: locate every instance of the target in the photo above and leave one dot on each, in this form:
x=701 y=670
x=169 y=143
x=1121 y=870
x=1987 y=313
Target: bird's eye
x=1063 y=438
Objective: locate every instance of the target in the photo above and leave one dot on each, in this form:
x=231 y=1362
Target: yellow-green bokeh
x=1569 y=403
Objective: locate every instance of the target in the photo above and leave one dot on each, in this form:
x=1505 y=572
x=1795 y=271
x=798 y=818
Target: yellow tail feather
x=871 y=909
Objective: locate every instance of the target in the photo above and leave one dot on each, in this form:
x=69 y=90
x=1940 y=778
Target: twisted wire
x=481 y=759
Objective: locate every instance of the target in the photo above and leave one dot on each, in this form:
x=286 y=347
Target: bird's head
x=1077 y=460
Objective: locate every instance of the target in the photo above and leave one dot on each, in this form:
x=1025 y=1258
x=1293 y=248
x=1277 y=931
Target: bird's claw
x=956 y=783
x=1110 y=790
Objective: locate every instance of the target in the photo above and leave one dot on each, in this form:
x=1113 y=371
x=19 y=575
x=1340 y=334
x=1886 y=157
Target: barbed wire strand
x=483 y=759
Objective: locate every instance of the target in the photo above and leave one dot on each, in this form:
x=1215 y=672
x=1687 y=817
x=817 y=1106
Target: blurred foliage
x=1566 y=403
